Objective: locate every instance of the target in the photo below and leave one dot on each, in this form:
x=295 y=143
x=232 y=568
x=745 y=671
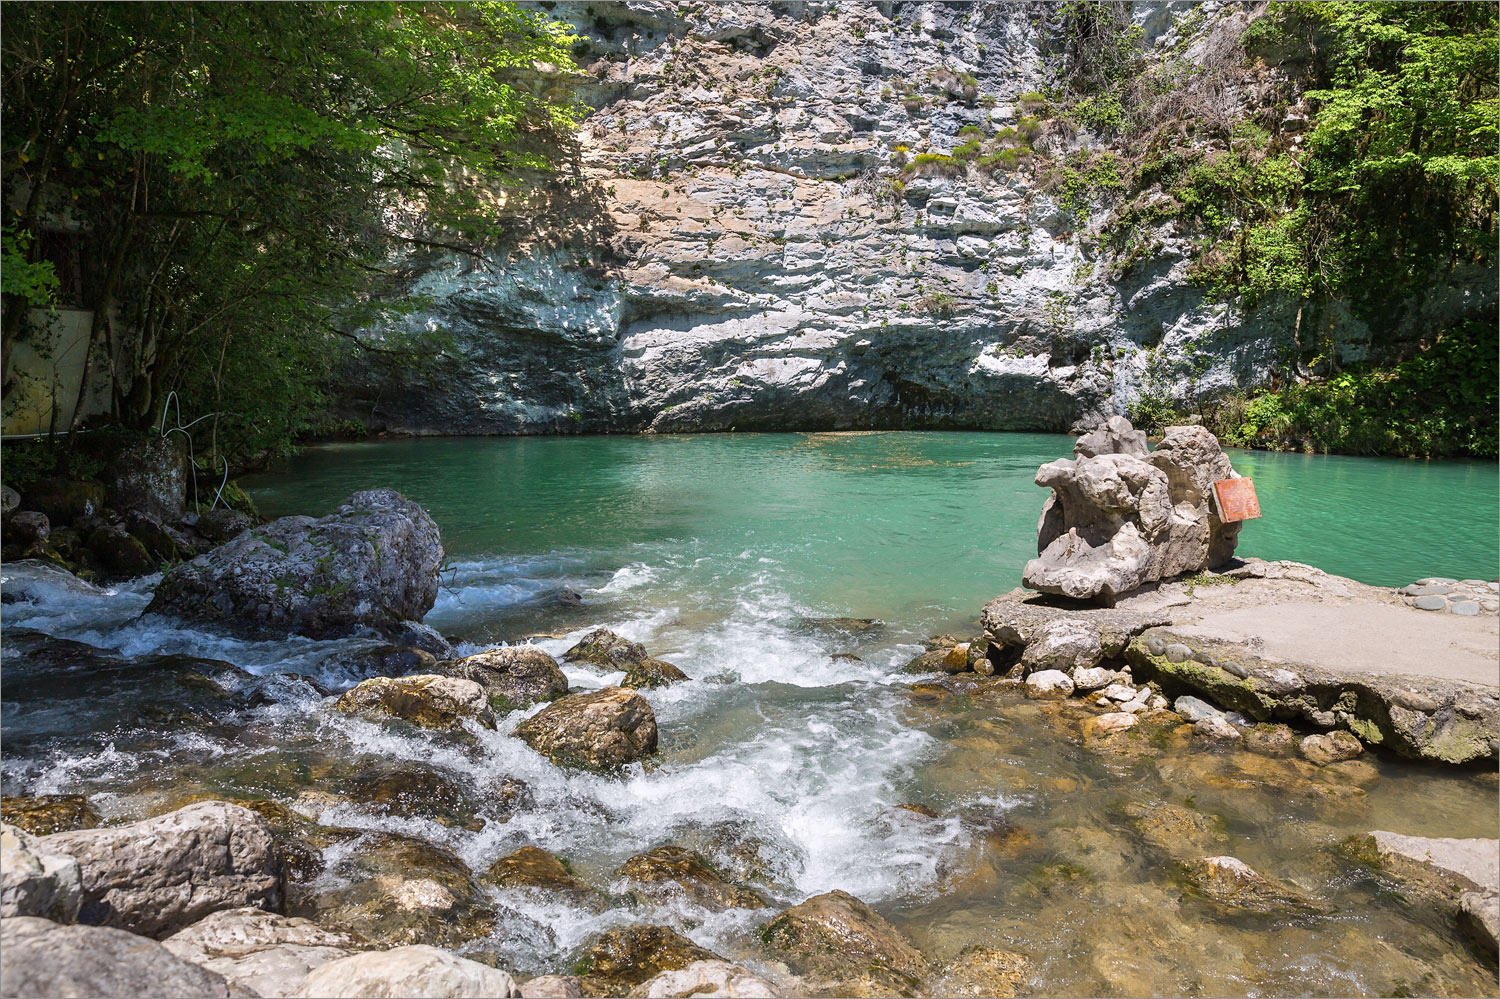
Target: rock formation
x=1118 y=519
x=601 y=730
x=373 y=563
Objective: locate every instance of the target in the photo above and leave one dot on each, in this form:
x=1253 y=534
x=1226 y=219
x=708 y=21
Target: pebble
x=1215 y=729
x=1194 y=709
x=1431 y=603
x=1178 y=653
x=1234 y=668
x=1465 y=608
x=1120 y=692
x=1156 y=645
x=1429 y=590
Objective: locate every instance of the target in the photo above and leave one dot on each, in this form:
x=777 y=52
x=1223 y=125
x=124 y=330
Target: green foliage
x=1082 y=177
x=31 y=281
x=241 y=173
x=1102 y=48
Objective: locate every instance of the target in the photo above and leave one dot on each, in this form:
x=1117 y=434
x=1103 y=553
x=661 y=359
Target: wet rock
x=158 y=875
x=149 y=475
x=413 y=789
x=515 y=676
x=394 y=890
x=431 y=701
x=602 y=730
x=26 y=529
x=1330 y=747
x=221 y=525
x=1215 y=729
x=607 y=650
x=1479 y=919
x=35 y=881
x=533 y=867
x=1097 y=678
x=847 y=627
x=669 y=871
x=985 y=972
x=626 y=957
x=49 y=813
x=704 y=979
x=1048 y=685
x=415 y=635
x=43 y=958
x=1108 y=724
x=371 y=564
x=417 y=970
x=1194 y=709
x=553 y=987
x=1015 y=619
x=64 y=500
x=1235 y=885
x=1270 y=739
x=260 y=952
x=838 y=939
x=10 y=501
x=1116 y=521
x=651 y=673
x=1469 y=863
x=118 y=554
x=1064 y=644
x=162 y=543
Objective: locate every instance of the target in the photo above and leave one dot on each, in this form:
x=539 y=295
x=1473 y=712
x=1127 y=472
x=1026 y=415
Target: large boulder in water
x=1119 y=519
x=373 y=563
x=839 y=942
x=429 y=700
x=513 y=676
x=156 y=876
x=602 y=730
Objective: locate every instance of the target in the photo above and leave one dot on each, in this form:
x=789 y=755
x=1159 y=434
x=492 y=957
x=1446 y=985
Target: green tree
x=235 y=178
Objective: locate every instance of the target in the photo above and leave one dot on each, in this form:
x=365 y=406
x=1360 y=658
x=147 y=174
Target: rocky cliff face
x=741 y=241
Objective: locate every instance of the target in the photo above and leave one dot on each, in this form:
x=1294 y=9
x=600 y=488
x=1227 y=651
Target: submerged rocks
x=49 y=813
x=260 y=952
x=984 y=973
x=35 y=881
x=417 y=970
x=1332 y=747
x=1119 y=519
x=43 y=958
x=838 y=940
x=602 y=730
x=515 y=676
x=674 y=870
x=428 y=700
x=1233 y=884
x=158 y=875
x=533 y=867
x=371 y=564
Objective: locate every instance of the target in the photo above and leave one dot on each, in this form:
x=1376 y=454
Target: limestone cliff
x=749 y=236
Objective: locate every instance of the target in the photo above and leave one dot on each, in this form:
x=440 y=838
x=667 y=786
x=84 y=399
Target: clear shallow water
x=784 y=760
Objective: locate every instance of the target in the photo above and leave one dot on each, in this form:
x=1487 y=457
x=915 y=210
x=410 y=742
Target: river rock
x=1215 y=729
x=669 y=871
x=553 y=987
x=605 y=649
x=260 y=952
x=26 y=529
x=533 y=867
x=985 y=973
x=1232 y=883
x=602 y=730
x=1065 y=644
x=403 y=788
x=1469 y=863
x=44 y=814
x=514 y=676
x=43 y=958
x=1270 y=739
x=10 y=501
x=651 y=673
x=428 y=700
x=1049 y=685
x=704 y=980
x=392 y=889
x=118 y=554
x=838 y=939
x=64 y=500
x=223 y=524
x=1330 y=747
x=1097 y=678
x=417 y=970
x=373 y=563
x=623 y=958
x=158 y=875
x=35 y=881
x=1194 y=709
x=1479 y=919
x=1119 y=520
x=1015 y=619
x=1174 y=830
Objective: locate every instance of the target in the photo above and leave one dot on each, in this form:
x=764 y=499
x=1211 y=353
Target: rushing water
x=786 y=757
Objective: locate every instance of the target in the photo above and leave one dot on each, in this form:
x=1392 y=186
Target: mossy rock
x=626 y=957
x=840 y=943
x=44 y=814
x=669 y=871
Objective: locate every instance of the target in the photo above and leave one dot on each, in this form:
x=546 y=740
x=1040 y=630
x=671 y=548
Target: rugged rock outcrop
x=35 y=881
x=417 y=970
x=158 y=875
x=601 y=730
x=260 y=952
x=430 y=700
x=43 y=958
x=1117 y=520
x=373 y=563
x=841 y=942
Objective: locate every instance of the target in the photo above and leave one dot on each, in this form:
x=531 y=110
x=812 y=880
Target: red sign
x=1236 y=500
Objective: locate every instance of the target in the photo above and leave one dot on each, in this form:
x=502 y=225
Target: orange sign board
x=1236 y=500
